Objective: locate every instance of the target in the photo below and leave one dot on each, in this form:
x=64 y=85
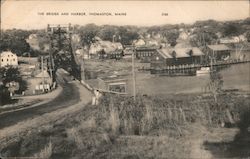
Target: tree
x=127 y=35
x=171 y=37
x=14 y=40
x=248 y=36
x=215 y=85
x=12 y=74
x=107 y=32
x=231 y=29
x=202 y=37
x=4 y=95
x=88 y=33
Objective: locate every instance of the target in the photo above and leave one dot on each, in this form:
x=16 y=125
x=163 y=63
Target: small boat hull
x=203 y=71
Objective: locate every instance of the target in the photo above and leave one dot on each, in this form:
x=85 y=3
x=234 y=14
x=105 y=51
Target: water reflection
x=232 y=77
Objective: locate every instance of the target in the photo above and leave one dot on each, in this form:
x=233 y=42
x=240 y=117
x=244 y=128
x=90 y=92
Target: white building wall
x=7 y=58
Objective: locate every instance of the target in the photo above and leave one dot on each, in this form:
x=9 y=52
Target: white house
x=183 y=35
x=139 y=42
x=107 y=46
x=7 y=58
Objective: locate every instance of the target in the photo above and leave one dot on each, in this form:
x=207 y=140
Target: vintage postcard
x=124 y=79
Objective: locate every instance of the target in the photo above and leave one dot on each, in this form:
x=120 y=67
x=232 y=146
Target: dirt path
x=31 y=101
x=199 y=136
x=198 y=151
x=214 y=135
x=8 y=134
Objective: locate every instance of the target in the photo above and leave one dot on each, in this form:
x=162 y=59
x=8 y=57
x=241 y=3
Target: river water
x=234 y=77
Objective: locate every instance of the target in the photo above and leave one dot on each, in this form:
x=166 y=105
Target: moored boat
x=203 y=71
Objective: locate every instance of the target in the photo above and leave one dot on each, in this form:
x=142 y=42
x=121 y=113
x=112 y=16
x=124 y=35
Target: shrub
x=46 y=152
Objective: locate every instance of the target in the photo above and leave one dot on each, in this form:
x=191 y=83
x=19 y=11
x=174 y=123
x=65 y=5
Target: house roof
x=197 y=51
x=180 y=52
x=139 y=42
x=145 y=48
x=107 y=46
x=6 y=53
x=219 y=47
x=242 y=46
x=41 y=74
x=165 y=53
x=119 y=51
x=113 y=78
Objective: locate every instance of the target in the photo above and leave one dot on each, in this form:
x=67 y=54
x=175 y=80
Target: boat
x=203 y=71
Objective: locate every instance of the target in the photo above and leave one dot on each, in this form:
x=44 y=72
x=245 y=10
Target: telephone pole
x=42 y=73
x=133 y=71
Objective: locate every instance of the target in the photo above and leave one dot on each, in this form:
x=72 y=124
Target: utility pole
x=133 y=71
x=42 y=72
x=51 y=61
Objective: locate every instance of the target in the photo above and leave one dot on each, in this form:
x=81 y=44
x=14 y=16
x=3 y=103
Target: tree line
x=205 y=32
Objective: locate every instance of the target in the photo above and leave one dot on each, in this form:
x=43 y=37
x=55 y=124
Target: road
x=68 y=96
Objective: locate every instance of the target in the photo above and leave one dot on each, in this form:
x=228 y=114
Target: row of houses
x=162 y=57
x=157 y=55
x=175 y=56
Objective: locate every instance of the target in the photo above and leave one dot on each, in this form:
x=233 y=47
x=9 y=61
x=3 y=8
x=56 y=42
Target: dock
x=191 y=68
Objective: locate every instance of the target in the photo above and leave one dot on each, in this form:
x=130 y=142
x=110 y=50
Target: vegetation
x=5 y=95
x=119 y=126
x=46 y=152
x=203 y=32
x=125 y=35
x=12 y=74
x=248 y=36
x=172 y=37
x=14 y=40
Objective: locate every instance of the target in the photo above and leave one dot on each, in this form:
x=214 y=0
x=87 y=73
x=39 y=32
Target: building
x=128 y=52
x=39 y=83
x=144 y=53
x=240 y=51
x=7 y=58
x=234 y=39
x=113 y=84
x=152 y=42
x=176 y=57
x=83 y=53
x=219 y=52
x=116 y=54
x=183 y=35
x=139 y=42
x=105 y=49
x=229 y=40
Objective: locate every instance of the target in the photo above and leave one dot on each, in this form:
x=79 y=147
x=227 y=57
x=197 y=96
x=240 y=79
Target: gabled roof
x=165 y=53
x=6 y=53
x=242 y=46
x=116 y=51
x=197 y=52
x=41 y=74
x=219 y=47
x=107 y=46
x=180 y=52
x=145 y=48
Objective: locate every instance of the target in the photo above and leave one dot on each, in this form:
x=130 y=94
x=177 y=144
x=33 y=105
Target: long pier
x=191 y=68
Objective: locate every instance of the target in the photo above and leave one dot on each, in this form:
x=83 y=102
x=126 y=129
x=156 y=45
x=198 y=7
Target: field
x=174 y=126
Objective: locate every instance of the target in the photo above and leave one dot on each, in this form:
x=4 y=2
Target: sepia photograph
x=124 y=79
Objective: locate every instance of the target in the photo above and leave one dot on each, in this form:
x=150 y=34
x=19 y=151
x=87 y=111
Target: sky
x=32 y=14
